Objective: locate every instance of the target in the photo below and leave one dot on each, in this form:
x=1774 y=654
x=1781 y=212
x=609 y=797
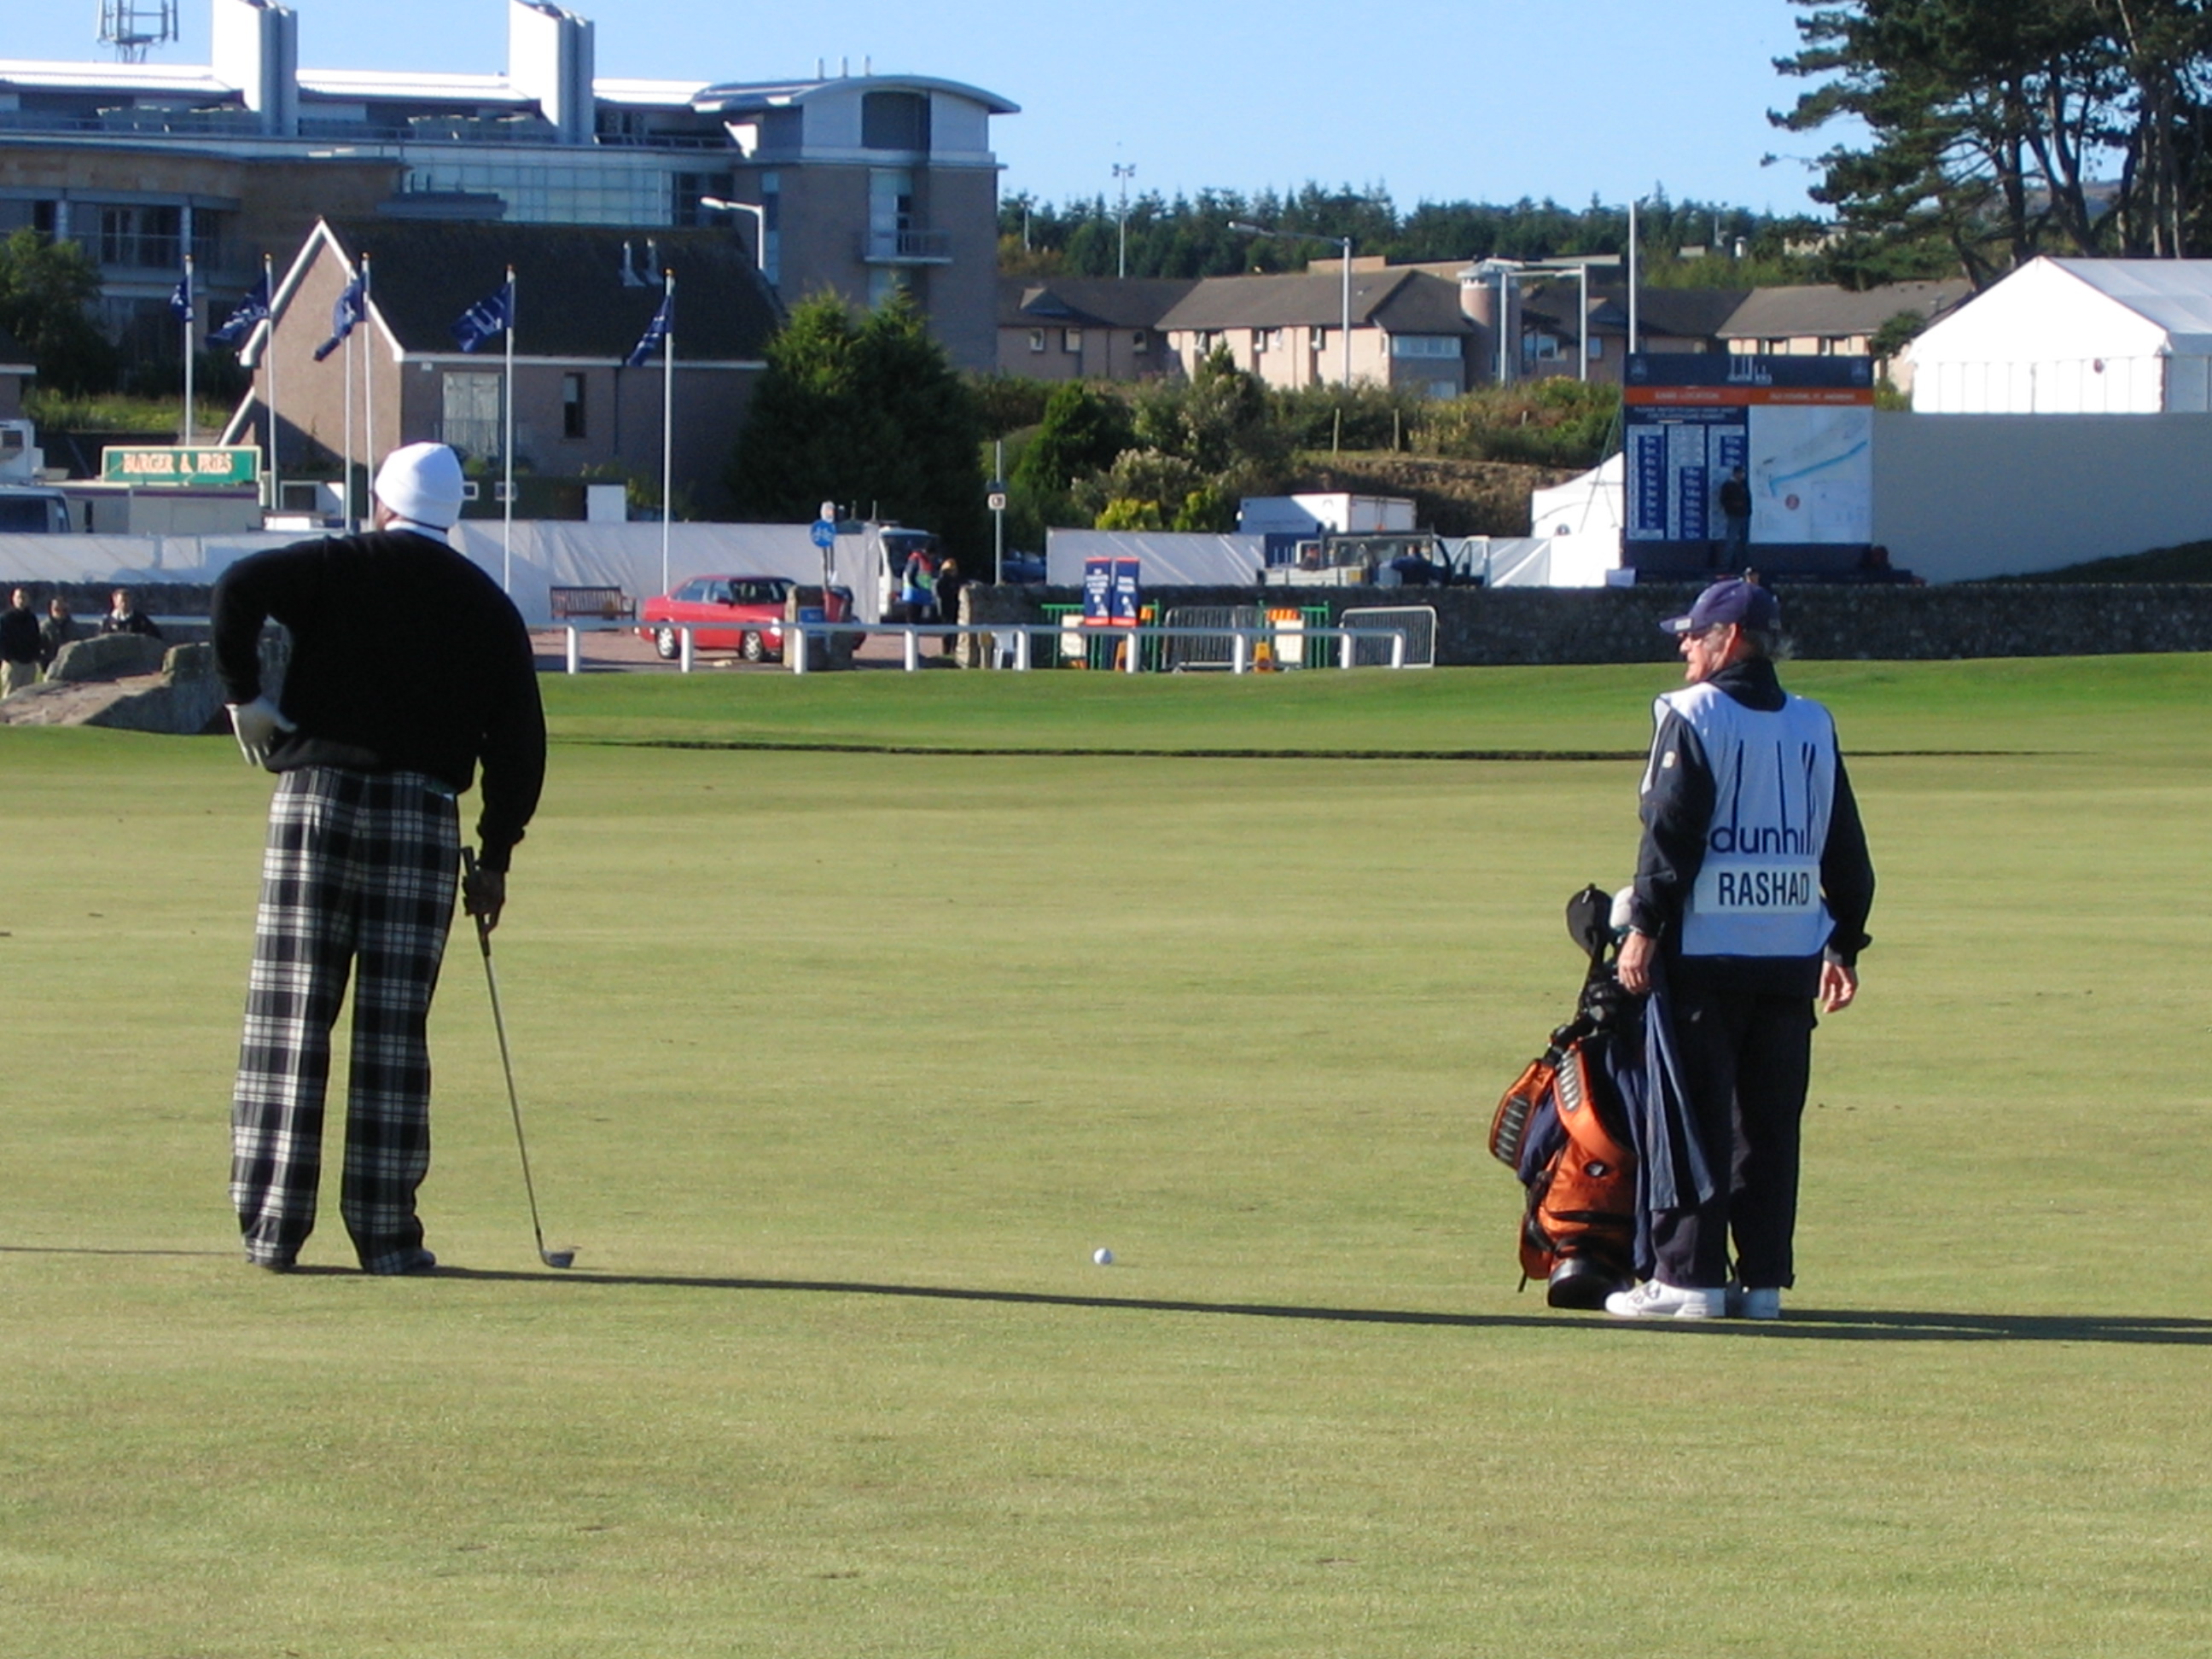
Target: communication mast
x=131 y=26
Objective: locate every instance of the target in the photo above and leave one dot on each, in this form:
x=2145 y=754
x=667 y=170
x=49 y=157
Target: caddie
x=409 y=668
x=1752 y=889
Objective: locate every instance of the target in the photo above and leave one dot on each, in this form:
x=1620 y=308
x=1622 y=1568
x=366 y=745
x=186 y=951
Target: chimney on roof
x=257 y=49
x=550 y=58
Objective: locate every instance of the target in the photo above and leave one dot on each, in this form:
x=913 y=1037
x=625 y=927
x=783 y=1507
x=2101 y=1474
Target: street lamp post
x=1124 y=173
x=1344 y=245
x=718 y=204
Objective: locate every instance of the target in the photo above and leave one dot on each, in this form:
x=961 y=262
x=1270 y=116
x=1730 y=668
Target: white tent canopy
x=2074 y=337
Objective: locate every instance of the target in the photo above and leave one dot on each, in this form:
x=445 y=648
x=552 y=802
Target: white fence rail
x=1358 y=647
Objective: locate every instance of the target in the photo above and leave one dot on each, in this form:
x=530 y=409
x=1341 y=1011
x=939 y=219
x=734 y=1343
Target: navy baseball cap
x=1731 y=601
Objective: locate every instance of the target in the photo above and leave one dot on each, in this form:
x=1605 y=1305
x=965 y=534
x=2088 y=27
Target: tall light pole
x=718 y=204
x=1344 y=245
x=1124 y=173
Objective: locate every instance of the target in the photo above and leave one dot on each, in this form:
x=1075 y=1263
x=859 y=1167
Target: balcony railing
x=906 y=247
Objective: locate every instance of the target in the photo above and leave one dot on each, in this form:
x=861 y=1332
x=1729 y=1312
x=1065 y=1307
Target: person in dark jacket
x=59 y=628
x=1733 y=499
x=409 y=670
x=950 y=581
x=19 y=645
x=1752 y=889
x=124 y=616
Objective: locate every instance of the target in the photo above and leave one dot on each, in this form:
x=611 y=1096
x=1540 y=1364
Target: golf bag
x=1564 y=1130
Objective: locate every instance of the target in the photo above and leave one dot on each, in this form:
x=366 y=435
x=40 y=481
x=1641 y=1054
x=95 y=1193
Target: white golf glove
x=256 y=724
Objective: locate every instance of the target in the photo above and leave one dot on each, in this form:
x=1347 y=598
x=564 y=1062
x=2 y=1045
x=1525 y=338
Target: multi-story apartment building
x=850 y=184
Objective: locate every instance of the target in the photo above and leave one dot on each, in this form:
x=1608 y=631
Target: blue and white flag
x=180 y=299
x=350 y=309
x=487 y=319
x=656 y=333
x=238 y=327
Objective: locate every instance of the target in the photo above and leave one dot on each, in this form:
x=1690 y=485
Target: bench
x=600 y=604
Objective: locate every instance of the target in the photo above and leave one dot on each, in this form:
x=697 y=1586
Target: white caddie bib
x=1757 y=892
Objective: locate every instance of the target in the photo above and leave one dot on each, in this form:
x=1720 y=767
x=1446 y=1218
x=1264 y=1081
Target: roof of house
x=1788 y=313
x=1091 y=302
x=1396 y=301
x=570 y=300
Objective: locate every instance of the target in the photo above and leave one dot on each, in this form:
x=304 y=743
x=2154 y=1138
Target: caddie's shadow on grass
x=1802 y=1324
x=1807 y=1324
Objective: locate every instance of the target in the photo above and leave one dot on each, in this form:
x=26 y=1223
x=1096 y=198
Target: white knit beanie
x=421 y=482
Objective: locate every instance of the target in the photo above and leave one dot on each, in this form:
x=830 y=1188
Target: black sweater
x=405 y=658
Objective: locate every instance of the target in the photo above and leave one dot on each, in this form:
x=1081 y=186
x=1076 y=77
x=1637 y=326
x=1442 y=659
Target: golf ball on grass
x=1103 y=1256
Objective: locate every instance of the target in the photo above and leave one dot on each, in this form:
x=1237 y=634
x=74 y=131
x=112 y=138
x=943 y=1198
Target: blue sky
x=1441 y=100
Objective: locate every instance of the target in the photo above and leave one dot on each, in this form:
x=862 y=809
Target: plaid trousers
x=360 y=867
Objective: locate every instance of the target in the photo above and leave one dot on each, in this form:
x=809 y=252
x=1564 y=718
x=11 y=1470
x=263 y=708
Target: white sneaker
x=1746 y=1301
x=1654 y=1299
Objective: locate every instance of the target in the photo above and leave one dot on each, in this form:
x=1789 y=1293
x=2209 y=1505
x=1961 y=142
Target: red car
x=743 y=614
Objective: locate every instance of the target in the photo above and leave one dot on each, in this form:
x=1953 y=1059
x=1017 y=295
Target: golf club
x=551 y=1258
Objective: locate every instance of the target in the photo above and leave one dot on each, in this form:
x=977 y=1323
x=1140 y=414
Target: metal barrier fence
x=1418 y=623
x=1383 y=647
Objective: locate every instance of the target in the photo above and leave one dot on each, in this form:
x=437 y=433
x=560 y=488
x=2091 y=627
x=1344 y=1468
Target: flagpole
x=191 y=307
x=368 y=386
x=667 y=417
x=347 y=476
x=268 y=355
x=506 y=452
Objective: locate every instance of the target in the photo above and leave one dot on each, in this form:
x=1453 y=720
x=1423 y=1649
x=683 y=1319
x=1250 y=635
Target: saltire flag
x=350 y=310
x=656 y=333
x=486 y=318
x=253 y=308
x=180 y=299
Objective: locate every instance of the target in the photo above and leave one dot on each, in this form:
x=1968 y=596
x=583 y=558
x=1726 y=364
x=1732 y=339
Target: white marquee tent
x=2075 y=336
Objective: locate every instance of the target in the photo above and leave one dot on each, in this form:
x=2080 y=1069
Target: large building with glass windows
x=853 y=184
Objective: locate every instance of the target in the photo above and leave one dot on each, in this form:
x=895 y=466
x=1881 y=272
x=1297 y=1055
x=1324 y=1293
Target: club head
x=557 y=1258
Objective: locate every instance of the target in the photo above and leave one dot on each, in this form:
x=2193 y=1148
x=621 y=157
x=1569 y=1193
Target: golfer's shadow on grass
x=1801 y=1324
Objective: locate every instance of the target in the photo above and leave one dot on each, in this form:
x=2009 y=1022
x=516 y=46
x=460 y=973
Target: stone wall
x=1825 y=621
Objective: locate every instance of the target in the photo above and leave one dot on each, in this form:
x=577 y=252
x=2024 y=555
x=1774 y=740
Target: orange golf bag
x=1562 y=1130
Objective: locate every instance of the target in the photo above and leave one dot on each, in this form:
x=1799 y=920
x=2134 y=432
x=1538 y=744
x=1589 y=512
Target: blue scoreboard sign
x=1800 y=428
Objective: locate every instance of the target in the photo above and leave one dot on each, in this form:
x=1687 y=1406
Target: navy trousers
x=358 y=881
x=1747 y=1059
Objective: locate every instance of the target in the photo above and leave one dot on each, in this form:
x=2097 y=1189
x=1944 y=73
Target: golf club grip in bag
x=1579 y=1229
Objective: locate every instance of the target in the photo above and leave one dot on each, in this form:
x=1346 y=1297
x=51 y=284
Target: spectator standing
x=19 y=645
x=59 y=628
x=949 y=583
x=1733 y=499
x=410 y=670
x=124 y=616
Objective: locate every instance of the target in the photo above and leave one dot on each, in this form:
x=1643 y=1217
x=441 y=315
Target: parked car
x=743 y=614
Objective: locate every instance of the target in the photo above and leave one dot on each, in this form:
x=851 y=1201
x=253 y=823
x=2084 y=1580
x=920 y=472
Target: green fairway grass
x=838 y=1065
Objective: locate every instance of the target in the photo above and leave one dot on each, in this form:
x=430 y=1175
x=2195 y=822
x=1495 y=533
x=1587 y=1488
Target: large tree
x=1998 y=130
x=868 y=413
x=47 y=289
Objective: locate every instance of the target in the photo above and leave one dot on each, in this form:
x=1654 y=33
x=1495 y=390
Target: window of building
x=1540 y=348
x=1424 y=345
x=894 y=121
x=1036 y=339
x=1320 y=339
x=572 y=406
x=1071 y=341
x=1597 y=348
x=1141 y=341
x=1267 y=339
x=471 y=415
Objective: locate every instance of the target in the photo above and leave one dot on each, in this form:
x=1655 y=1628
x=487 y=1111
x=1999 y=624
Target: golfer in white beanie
x=409 y=670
